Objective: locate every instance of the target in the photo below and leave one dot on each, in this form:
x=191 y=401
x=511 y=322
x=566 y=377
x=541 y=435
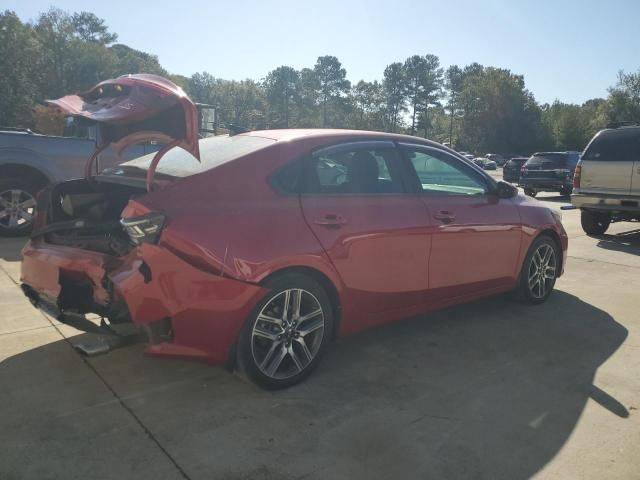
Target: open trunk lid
x=134 y=109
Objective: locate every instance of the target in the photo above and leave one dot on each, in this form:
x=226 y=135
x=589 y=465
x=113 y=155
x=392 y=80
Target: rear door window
x=359 y=170
x=619 y=146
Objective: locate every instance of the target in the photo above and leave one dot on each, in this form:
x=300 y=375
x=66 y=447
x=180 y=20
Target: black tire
x=528 y=293
x=250 y=360
x=594 y=223
x=29 y=190
x=530 y=192
x=566 y=191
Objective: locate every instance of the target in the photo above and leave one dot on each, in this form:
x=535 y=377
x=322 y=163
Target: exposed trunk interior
x=86 y=214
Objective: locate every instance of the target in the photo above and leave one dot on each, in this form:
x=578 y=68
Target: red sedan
x=256 y=250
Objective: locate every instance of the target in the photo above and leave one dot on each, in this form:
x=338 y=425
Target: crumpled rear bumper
x=151 y=284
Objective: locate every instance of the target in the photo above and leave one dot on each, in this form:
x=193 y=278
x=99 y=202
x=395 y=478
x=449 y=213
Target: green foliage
x=476 y=108
x=331 y=83
x=282 y=88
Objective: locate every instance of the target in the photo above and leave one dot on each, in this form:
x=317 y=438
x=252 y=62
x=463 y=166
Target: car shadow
x=10 y=248
x=488 y=390
x=627 y=242
x=554 y=199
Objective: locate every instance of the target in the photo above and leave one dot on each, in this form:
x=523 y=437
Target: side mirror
x=506 y=190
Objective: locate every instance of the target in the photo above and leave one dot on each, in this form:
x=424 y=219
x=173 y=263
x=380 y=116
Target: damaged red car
x=255 y=250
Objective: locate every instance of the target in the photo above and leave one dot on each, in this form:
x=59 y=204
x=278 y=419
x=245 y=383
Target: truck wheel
x=17 y=207
x=594 y=223
x=566 y=191
x=530 y=192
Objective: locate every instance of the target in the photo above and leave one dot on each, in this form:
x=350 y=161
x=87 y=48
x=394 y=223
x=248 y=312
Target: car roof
x=290 y=134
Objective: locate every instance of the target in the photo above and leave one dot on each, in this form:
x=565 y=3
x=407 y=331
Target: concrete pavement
x=487 y=390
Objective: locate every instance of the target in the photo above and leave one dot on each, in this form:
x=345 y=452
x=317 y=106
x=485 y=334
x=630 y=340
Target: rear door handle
x=331 y=220
x=445 y=216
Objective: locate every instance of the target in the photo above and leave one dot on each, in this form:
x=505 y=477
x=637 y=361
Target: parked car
x=549 y=172
x=468 y=156
x=497 y=158
x=485 y=163
x=30 y=161
x=242 y=251
x=511 y=169
x=607 y=179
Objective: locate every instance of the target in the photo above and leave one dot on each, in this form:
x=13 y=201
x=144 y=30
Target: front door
x=476 y=236
x=375 y=233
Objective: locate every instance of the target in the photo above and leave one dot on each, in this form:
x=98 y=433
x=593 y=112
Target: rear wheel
x=17 y=207
x=530 y=192
x=286 y=335
x=539 y=271
x=594 y=223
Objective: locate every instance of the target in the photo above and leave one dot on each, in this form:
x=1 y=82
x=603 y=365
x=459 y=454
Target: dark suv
x=511 y=170
x=549 y=172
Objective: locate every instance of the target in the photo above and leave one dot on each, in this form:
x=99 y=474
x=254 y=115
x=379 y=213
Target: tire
x=276 y=351
x=530 y=192
x=594 y=223
x=536 y=284
x=566 y=191
x=17 y=206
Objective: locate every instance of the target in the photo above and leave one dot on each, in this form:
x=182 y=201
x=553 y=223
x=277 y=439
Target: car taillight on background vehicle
x=145 y=228
x=576 y=177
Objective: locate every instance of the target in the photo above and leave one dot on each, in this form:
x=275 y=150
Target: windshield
x=214 y=151
x=548 y=160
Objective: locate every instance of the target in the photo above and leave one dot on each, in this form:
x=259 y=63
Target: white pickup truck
x=607 y=179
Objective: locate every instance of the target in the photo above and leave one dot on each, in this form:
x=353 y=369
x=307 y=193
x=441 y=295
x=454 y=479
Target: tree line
x=476 y=108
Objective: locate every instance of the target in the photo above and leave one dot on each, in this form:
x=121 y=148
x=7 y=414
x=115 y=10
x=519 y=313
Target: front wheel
x=539 y=271
x=286 y=335
x=594 y=223
x=530 y=192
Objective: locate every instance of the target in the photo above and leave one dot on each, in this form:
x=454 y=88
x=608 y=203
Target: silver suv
x=607 y=179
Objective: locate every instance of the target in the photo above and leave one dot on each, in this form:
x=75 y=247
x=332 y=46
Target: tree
x=395 y=89
x=282 y=87
x=423 y=79
x=454 y=81
x=624 y=99
x=20 y=63
x=89 y=28
x=499 y=114
x=331 y=81
x=129 y=60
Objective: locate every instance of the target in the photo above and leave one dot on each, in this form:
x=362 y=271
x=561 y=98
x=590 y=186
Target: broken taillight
x=145 y=228
x=576 y=177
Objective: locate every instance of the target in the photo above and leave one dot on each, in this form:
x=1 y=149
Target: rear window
x=214 y=151
x=619 y=145
x=548 y=161
x=516 y=162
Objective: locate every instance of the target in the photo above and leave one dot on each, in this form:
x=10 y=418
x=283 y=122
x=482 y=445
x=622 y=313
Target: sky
x=569 y=50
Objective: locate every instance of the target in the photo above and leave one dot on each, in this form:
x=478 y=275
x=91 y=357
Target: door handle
x=445 y=216
x=331 y=220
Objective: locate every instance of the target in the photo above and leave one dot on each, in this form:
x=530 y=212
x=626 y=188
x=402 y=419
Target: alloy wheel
x=287 y=334
x=17 y=209
x=542 y=271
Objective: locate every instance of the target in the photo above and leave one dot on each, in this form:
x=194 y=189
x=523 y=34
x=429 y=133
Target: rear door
x=375 y=233
x=550 y=165
x=476 y=236
x=607 y=164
